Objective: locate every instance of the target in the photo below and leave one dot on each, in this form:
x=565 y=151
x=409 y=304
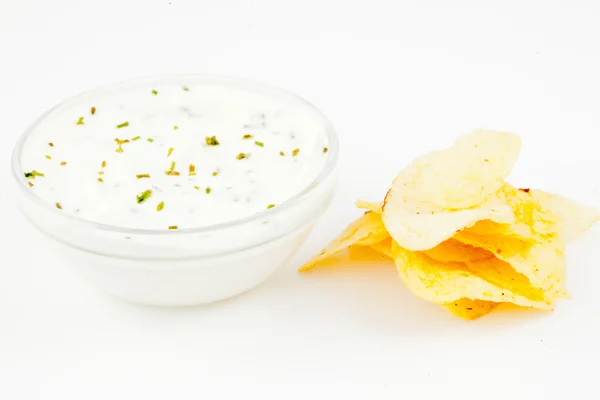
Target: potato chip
x=384 y=247
x=366 y=230
x=416 y=223
x=367 y=205
x=444 y=283
x=550 y=214
x=543 y=264
x=470 y=309
x=469 y=172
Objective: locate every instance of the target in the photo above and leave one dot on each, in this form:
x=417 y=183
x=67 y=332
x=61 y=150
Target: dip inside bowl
x=177 y=190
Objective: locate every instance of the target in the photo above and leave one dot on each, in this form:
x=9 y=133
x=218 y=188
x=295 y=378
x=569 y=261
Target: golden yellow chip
x=544 y=264
x=371 y=206
x=470 y=309
x=470 y=171
x=366 y=230
x=444 y=283
x=416 y=223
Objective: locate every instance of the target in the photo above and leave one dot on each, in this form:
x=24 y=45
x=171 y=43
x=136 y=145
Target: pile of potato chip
x=462 y=237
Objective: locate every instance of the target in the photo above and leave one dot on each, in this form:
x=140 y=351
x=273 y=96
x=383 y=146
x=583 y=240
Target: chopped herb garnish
x=172 y=166
x=175 y=127
x=93 y=111
x=100 y=180
x=80 y=121
x=144 y=196
x=170 y=151
x=173 y=173
x=103 y=164
x=247 y=136
x=49 y=157
x=197 y=187
x=150 y=140
x=260 y=144
x=215 y=173
x=325 y=149
x=51 y=144
x=212 y=141
x=136 y=138
x=33 y=174
x=241 y=156
x=140 y=176
x=192 y=170
x=207 y=190
x=270 y=206
x=281 y=153
x=120 y=143
x=101 y=173
x=123 y=125
x=172 y=227
x=295 y=152
x=154 y=92
x=58 y=206
x=186 y=89
x=160 y=206
x=63 y=163
x=30 y=184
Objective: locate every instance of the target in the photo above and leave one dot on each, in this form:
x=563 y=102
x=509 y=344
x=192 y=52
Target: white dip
x=269 y=151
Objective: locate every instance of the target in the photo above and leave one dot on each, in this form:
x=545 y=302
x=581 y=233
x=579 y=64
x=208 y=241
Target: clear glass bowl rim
x=328 y=168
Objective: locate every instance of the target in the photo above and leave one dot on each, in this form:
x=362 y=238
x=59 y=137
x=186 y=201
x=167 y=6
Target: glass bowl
x=188 y=266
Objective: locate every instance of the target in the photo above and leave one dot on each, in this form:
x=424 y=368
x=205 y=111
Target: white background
x=396 y=78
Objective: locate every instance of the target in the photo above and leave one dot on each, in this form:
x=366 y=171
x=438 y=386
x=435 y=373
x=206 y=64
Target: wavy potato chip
x=416 y=223
x=544 y=264
x=366 y=230
x=444 y=283
x=470 y=309
x=371 y=206
x=470 y=171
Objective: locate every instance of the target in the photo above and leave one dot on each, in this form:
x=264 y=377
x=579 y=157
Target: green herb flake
x=160 y=206
x=170 y=151
x=100 y=180
x=80 y=121
x=192 y=170
x=175 y=127
x=197 y=187
x=172 y=166
x=103 y=164
x=140 y=176
x=33 y=174
x=241 y=156
x=51 y=144
x=270 y=206
x=212 y=141
x=154 y=92
x=245 y=137
x=325 y=149
x=58 y=206
x=259 y=144
x=295 y=152
x=145 y=195
x=93 y=110
x=63 y=163
x=172 y=173
x=173 y=227
x=281 y=153
x=49 y=157
x=123 y=125
x=101 y=173
x=150 y=140
x=186 y=89
x=135 y=138
x=207 y=190
x=215 y=173
x=30 y=184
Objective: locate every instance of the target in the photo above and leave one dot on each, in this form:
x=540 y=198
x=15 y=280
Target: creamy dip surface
x=173 y=156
